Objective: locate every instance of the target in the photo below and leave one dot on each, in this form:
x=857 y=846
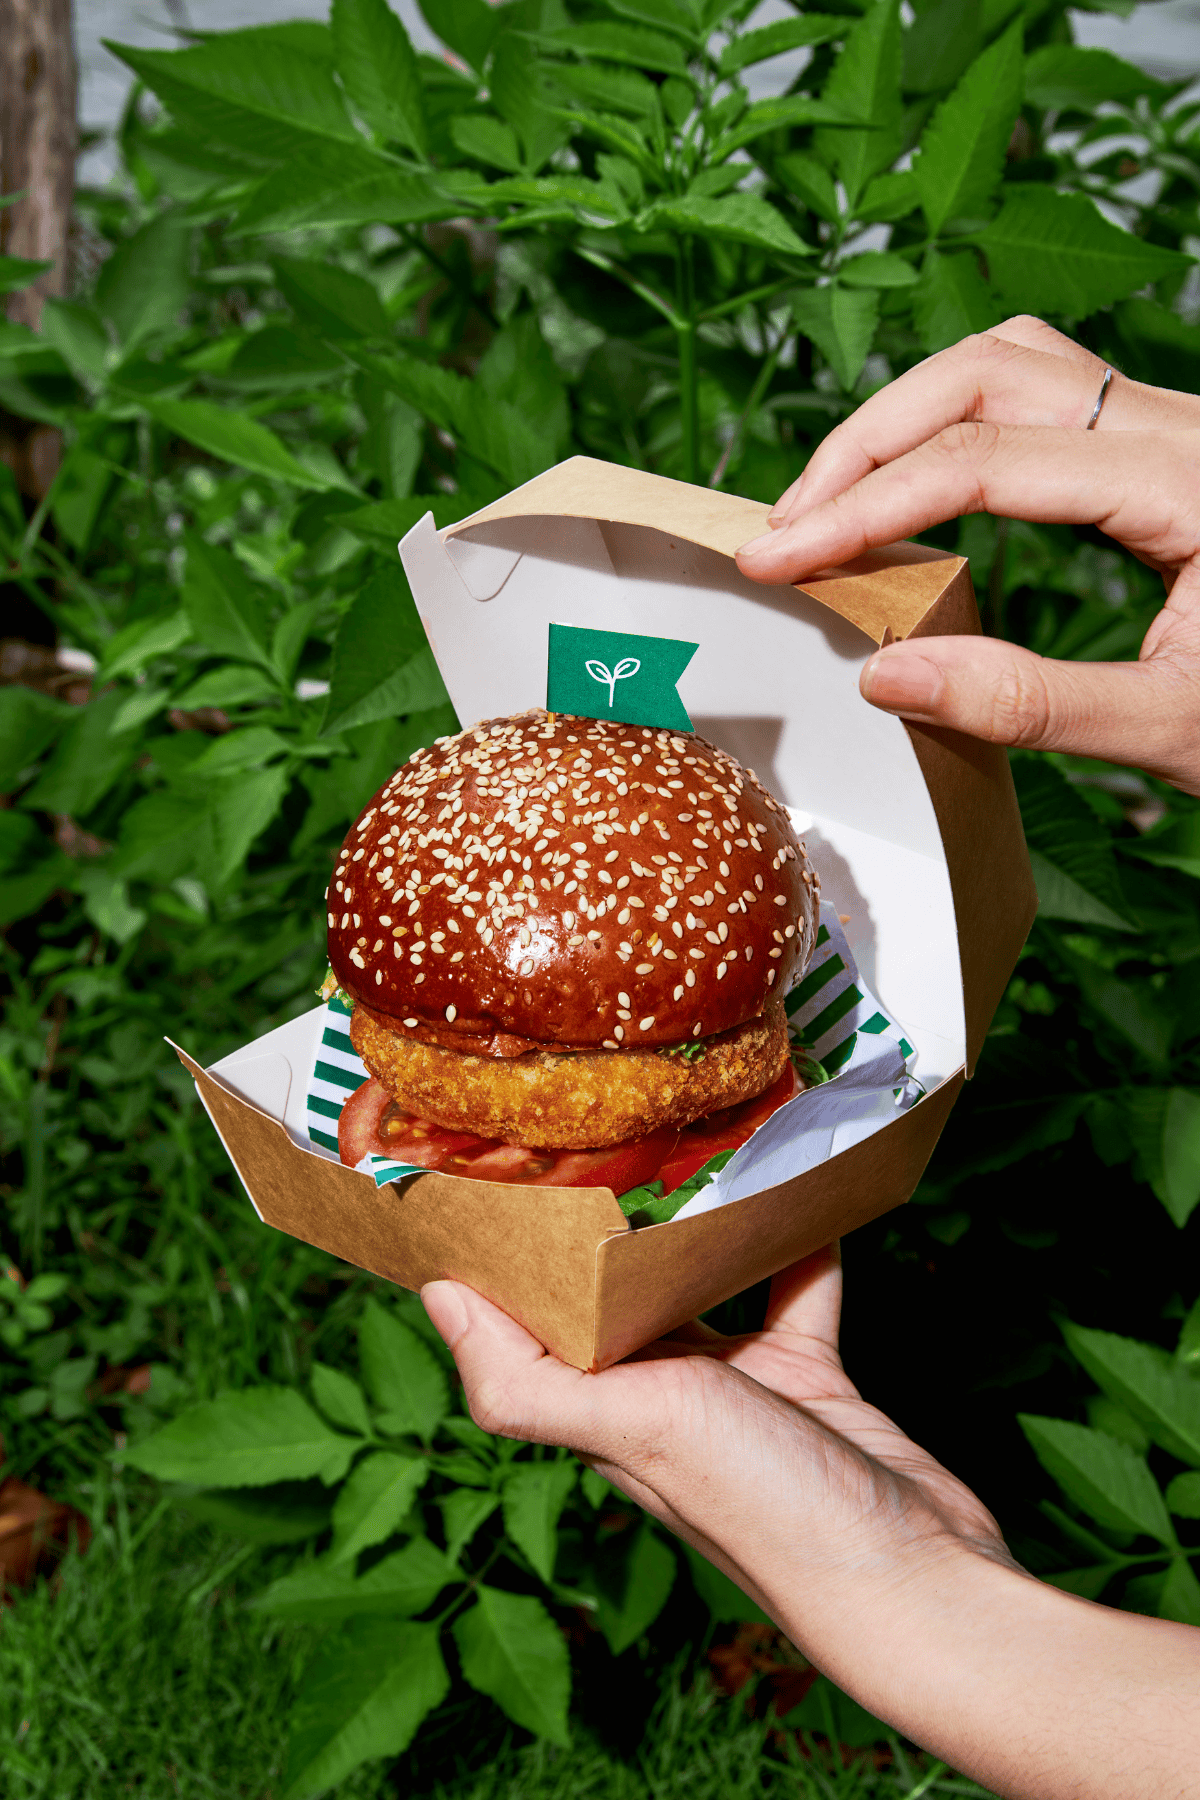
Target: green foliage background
x=340 y=284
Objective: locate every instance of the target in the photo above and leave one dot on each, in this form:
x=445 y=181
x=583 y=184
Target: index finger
x=987 y=379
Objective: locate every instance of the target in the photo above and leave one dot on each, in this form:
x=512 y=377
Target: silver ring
x=1100 y=398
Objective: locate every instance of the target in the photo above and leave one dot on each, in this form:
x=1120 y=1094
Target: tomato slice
x=621 y=1167
x=372 y=1121
x=727 y=1130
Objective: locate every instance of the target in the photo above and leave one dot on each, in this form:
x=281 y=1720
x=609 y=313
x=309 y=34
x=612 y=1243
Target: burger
x=566 y=941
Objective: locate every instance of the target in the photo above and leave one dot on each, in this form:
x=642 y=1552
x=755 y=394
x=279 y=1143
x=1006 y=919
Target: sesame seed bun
x=547 y=882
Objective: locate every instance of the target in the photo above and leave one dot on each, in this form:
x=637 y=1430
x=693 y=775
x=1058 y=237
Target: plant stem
x=689 y=382
x=761 y=383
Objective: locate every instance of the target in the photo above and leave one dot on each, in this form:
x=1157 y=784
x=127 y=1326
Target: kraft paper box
x=915 y=833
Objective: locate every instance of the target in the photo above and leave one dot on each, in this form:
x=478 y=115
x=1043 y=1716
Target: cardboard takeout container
x=915 y=833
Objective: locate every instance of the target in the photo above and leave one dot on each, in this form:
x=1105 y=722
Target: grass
x=137 y=1669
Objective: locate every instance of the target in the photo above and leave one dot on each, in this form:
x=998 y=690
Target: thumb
x=1142 y=714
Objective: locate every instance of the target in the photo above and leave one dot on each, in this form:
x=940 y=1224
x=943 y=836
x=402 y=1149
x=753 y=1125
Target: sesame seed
x=623 y=1000
x=410 y=1023
x=644 y=969
x=780 y=899
x=678 y=993
x=645 y=1024
x=720 y=971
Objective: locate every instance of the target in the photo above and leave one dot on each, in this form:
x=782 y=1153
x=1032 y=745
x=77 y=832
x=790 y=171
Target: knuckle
x=491 y=1408
x=1021 y=705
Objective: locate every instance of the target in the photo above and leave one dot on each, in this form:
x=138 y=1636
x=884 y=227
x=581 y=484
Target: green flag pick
x=617 y=675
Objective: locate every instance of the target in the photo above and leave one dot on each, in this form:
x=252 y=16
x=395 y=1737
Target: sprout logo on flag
x=615 y=675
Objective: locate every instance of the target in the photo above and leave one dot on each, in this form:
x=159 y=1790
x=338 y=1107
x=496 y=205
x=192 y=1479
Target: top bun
x=557 y=881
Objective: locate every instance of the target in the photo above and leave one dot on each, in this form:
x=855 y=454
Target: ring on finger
x=1100 y=399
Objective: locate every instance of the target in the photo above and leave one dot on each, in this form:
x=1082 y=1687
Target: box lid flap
x=894 y=587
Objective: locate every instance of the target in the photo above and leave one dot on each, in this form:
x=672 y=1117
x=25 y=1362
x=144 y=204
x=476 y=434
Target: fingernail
x=775 y=520
x=757 y=544
x=901 y=681
x=447 y=1314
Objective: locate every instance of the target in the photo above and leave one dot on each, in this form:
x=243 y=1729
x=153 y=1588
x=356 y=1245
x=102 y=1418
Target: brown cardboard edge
x=892 y=588
x=971 y=787
x=654 y=1280
x=530 y=1250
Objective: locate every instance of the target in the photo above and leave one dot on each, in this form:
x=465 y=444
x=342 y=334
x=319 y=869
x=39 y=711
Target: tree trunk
x=37 y=142
x=37 y=156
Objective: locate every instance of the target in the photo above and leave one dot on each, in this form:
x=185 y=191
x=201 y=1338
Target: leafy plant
x=1146 y=1399
x=395 y=1458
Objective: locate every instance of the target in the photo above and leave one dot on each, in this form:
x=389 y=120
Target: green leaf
x=249 y=748
x=463 y=1512
x=234 y=438
x=379 y=71
x=256 y=91
x=77 y=332
x=1161 y=1396
x=518 y=92
x=106 y=903
x=24 y=894
x=649 y=1577
x=775 y=40
x=610 y=87
x=939 y=44
x=1180 y=1191
x=595 y=1488
x=288 y=1514
x=363 y=1696
x=952 y=300
x=488 y=140
x=468 y=26
x=962 y=149
x=145 y=283
x=239 y=809
x=534 y=1497
x=888 y=197
x=841 y=322
x=341 y=1399
x=336 y=301
x=1071 y=851
x=248 y=1439
x=785 y=113
x=29 y=722
x=17 y=272
x=228 y=613
x=511 y=1649
x=810 y=181
x=160 y=838
x=128 y=651
x=877 y=269
x=376 y=1496
x=86 y=761
x=610 y=41
x=1183 y=1496
x=1050 y=252
x=1104 y=1477
x=382 y=663
x=1062 y=76
x=736 y=218
x=1138 y=1013
x=402 y=1374
x=336 y=185
x=865 y=83
x=398 y=1586
x=723 y=1597
x=1180 y=1597
x=498 y=434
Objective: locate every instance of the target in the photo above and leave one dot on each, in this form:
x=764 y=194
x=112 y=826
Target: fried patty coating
x=579 y=1101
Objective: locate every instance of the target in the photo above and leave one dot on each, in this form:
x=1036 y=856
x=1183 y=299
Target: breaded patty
x=579 y=1101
